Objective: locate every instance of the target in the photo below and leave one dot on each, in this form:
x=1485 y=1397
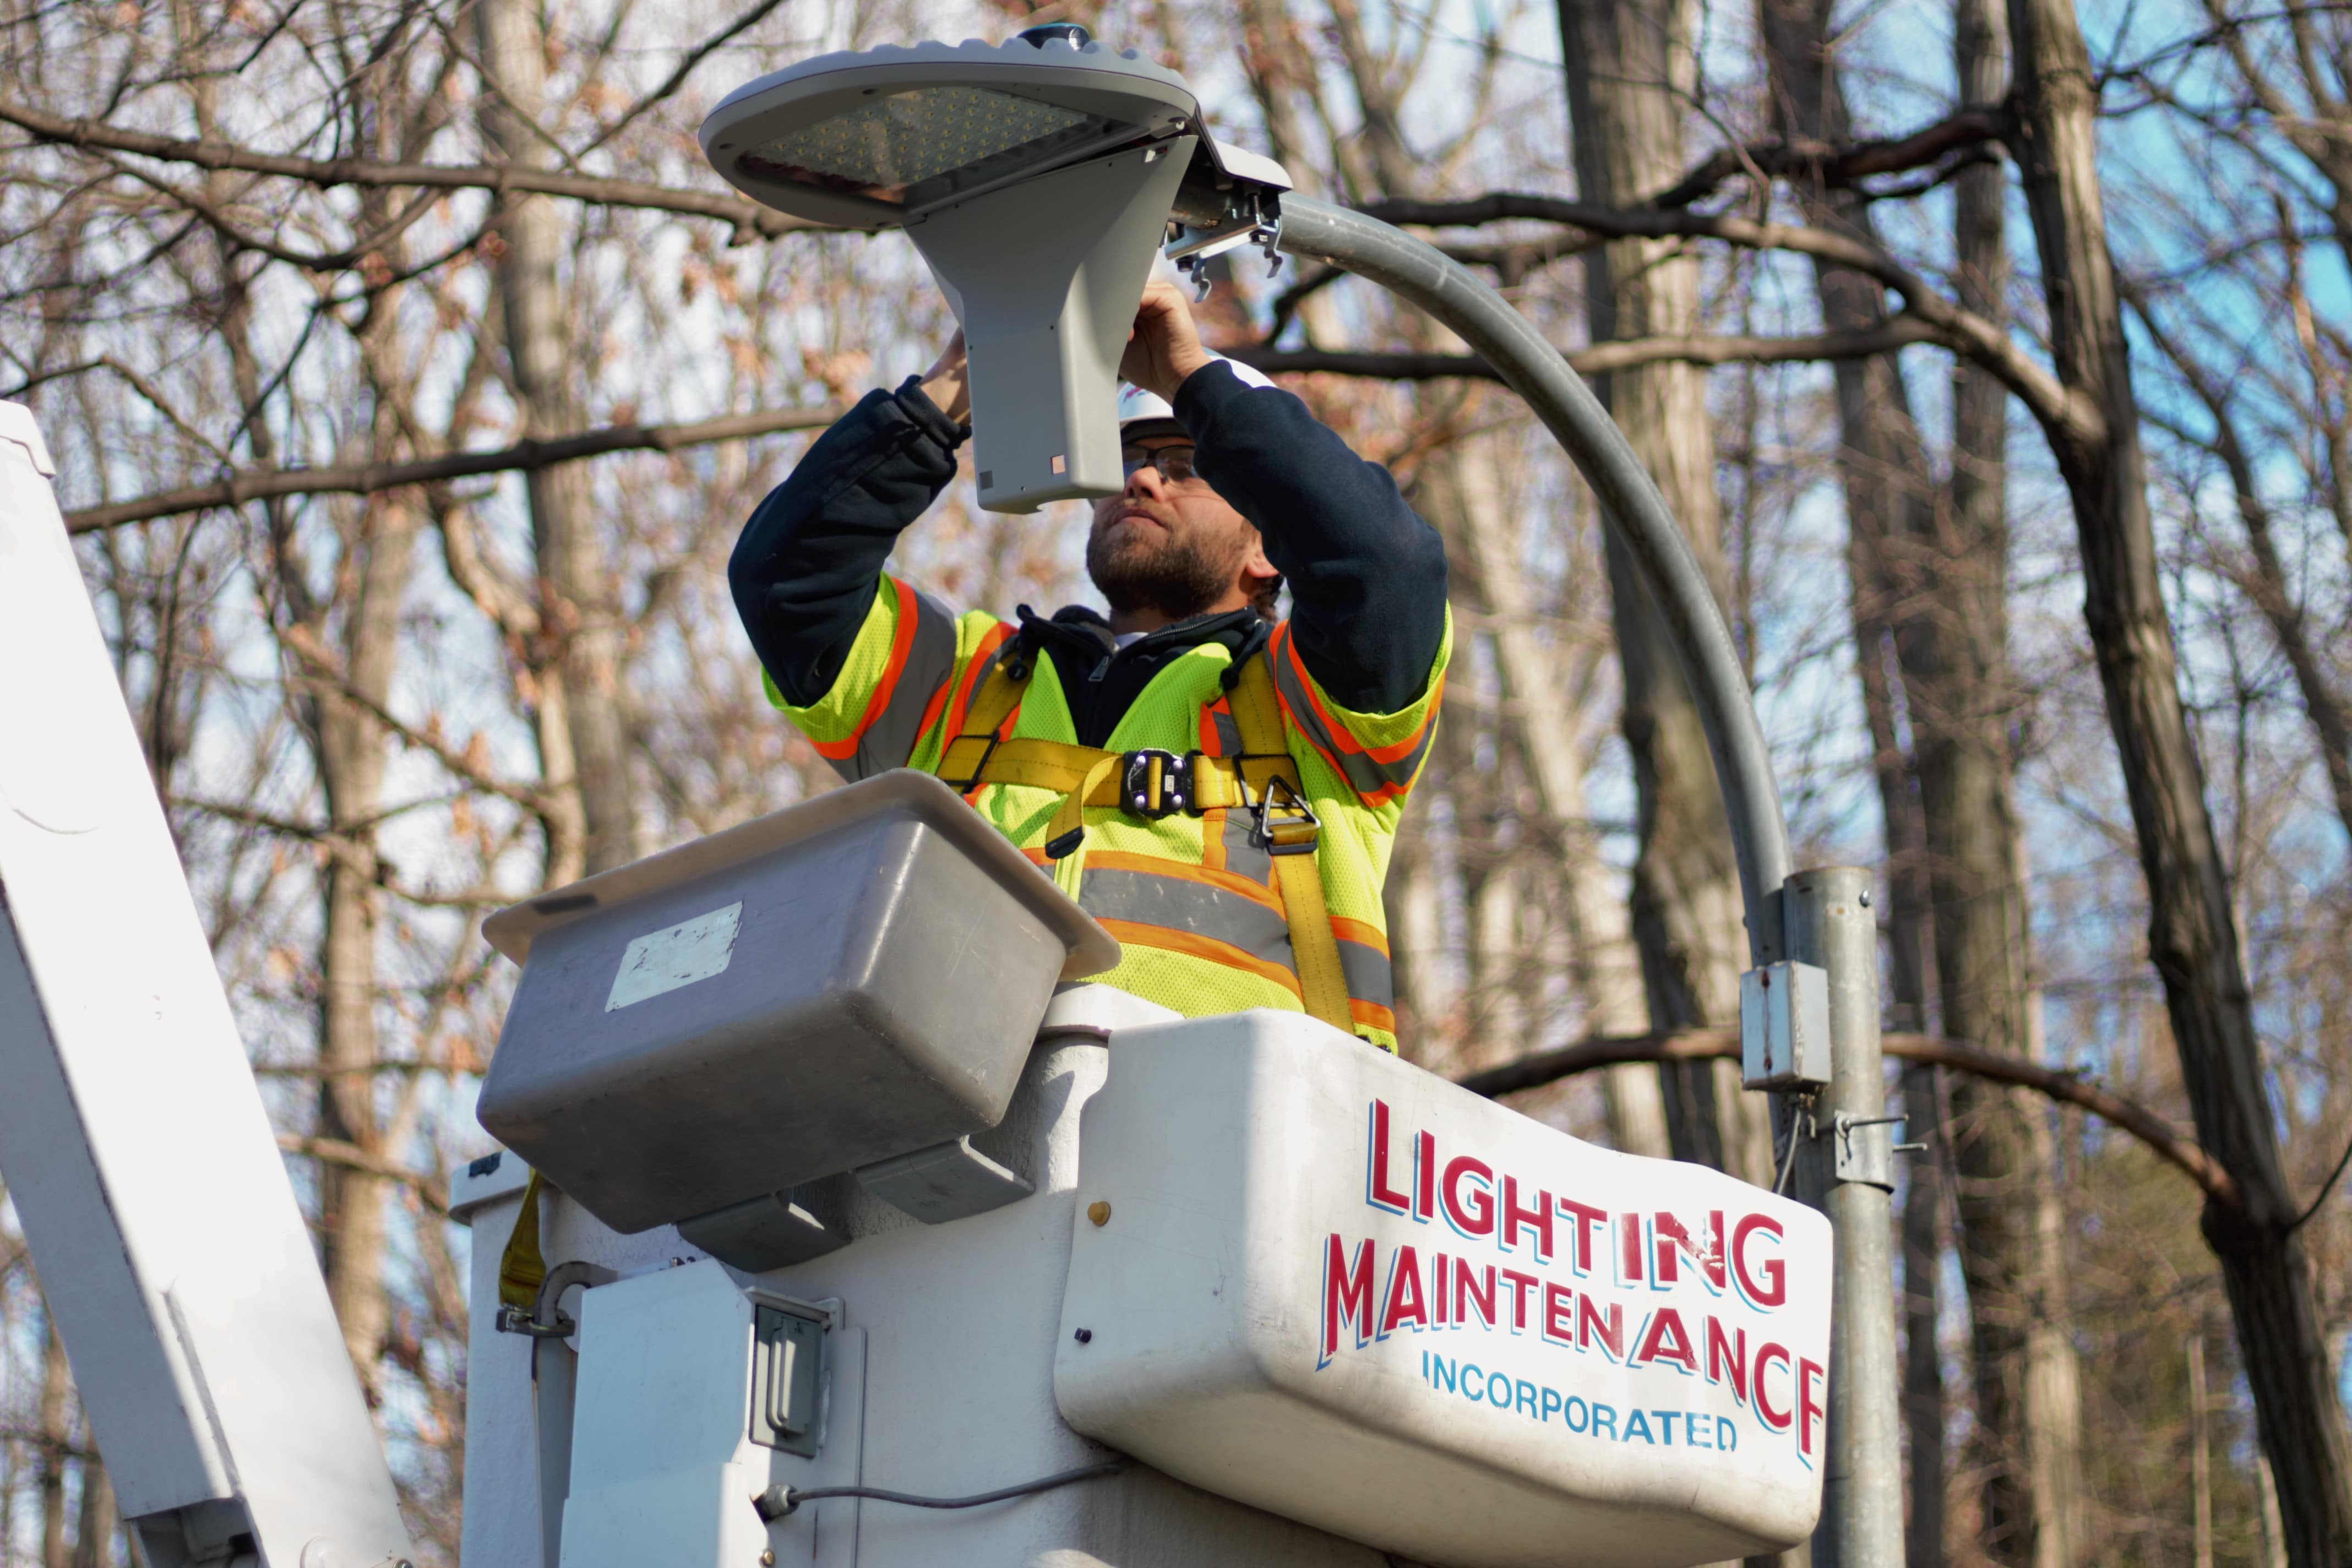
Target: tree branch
x=747 y=217
x=2071 y=415
x=429 y=1191
x=1897 y=332
x=2161 y=1138
x=363 y=478
x=1836 y=168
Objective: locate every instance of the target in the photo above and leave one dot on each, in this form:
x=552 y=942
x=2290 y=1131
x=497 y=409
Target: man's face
x=1168 y=544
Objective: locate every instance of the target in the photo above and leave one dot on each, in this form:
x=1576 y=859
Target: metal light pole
x=1845 y=1166
x=1831 y=1117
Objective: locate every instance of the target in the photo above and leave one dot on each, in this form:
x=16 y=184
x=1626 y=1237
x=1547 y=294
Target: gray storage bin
x=836 y=983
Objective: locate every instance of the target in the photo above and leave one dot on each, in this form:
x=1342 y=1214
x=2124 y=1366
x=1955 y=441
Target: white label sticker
x=665 y=959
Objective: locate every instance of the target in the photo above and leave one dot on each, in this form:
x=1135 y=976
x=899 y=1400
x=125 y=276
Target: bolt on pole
x=1843 y=1149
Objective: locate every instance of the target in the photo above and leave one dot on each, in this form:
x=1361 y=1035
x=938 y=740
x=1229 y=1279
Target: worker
x=1219 y=788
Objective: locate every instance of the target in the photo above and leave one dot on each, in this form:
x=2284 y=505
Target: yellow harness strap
x=1322 y=984
x=522 y=1268
x=1088 y=775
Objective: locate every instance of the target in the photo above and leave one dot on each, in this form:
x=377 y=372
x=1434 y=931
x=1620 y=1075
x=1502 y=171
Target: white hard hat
x=1139 y=412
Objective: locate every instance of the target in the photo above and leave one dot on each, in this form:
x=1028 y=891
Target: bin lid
x=1092 y=949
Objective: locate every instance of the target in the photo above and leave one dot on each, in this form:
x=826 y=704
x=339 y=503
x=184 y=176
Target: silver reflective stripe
x=1243 y=855
x=1364 y=775
x=890 y=739
x=1370 y=977
x=1229 y=734
x=1180 y=903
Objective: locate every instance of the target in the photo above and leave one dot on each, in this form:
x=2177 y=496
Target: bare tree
x=1930 y=570
x=1629 y=74
x=2193 y=932
x=584 y=723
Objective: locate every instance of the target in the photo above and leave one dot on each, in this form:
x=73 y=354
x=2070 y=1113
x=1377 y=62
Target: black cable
x=780 y=1502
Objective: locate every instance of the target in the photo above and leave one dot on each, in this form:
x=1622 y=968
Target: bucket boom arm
x=174 y=1259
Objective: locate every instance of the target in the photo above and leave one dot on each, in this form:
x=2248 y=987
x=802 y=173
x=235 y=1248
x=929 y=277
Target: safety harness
x=1152 y=783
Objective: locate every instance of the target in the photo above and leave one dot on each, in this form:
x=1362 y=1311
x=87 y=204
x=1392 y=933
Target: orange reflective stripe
x=981 y=657
x=1169 y=940
x=932 y=712
x=1372 y=1013
x=1377 y=774
x=902 y=638
x=1364 y=932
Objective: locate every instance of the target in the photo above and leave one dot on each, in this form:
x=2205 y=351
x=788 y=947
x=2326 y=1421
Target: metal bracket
x=1255 y=217
x=1864 y=1149
x=545 y=1319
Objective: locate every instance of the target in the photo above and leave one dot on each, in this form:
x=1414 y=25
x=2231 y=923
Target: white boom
x=174 y=1259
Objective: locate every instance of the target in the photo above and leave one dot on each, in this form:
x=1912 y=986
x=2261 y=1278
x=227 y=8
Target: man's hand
x=948 y=384
x=1163 y=347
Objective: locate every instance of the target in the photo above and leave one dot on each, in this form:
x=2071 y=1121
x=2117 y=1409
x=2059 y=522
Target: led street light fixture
x=1036 y=177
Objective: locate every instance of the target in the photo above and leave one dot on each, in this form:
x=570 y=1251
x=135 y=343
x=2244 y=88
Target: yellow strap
x=998 y=696
x=1322 y=984
x=523 y=1269
x=1070 y=822
x=1061 y=766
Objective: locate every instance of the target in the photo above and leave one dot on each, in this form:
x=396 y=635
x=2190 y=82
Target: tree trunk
x=584 y=731
x=2193 y=936
x=1629 y=75
x=1604 y=971
x=94 y=1533
x=351 y=758
x=55 y=1437
x=1939 y=583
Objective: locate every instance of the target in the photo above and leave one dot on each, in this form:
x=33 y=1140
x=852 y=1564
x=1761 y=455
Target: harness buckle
x=1173 y=793
x=987 y=753
x=1295 y=831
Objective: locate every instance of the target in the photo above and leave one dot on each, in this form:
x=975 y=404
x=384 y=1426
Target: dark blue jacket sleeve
x=1367 y=575
x=804 y=571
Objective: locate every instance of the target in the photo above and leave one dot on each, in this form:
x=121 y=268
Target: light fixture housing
x=1037 y=177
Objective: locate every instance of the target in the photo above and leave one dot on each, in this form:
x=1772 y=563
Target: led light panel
x=924 y=144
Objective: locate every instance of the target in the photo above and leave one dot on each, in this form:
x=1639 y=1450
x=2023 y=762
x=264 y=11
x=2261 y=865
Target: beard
x=1170 y=571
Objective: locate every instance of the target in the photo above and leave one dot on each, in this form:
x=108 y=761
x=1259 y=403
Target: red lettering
x=1520 y=1285
x=1347 y=1293
x=1666 y=1339
x=1778 y=1420
x=1437 y=1286
x=1766 y=1284
x=1610 y=1329
x=1536 y=1218
x=1467 y=1295
x=1477 y=1217
x=1425 y=1175
x=1404 y=1305
x=1730 y=1354
x=1560 y=1313
x=1377 y=1189
x=1629 y=1245
x=1585 y=1217
x=1808 y=1405
x=1668 y=1242
x=1672 y=1243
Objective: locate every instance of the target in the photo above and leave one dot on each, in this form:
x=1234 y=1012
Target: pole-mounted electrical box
x=1784 y=1026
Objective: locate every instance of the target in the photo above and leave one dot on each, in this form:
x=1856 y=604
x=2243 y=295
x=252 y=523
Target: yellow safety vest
x=1233 y=835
